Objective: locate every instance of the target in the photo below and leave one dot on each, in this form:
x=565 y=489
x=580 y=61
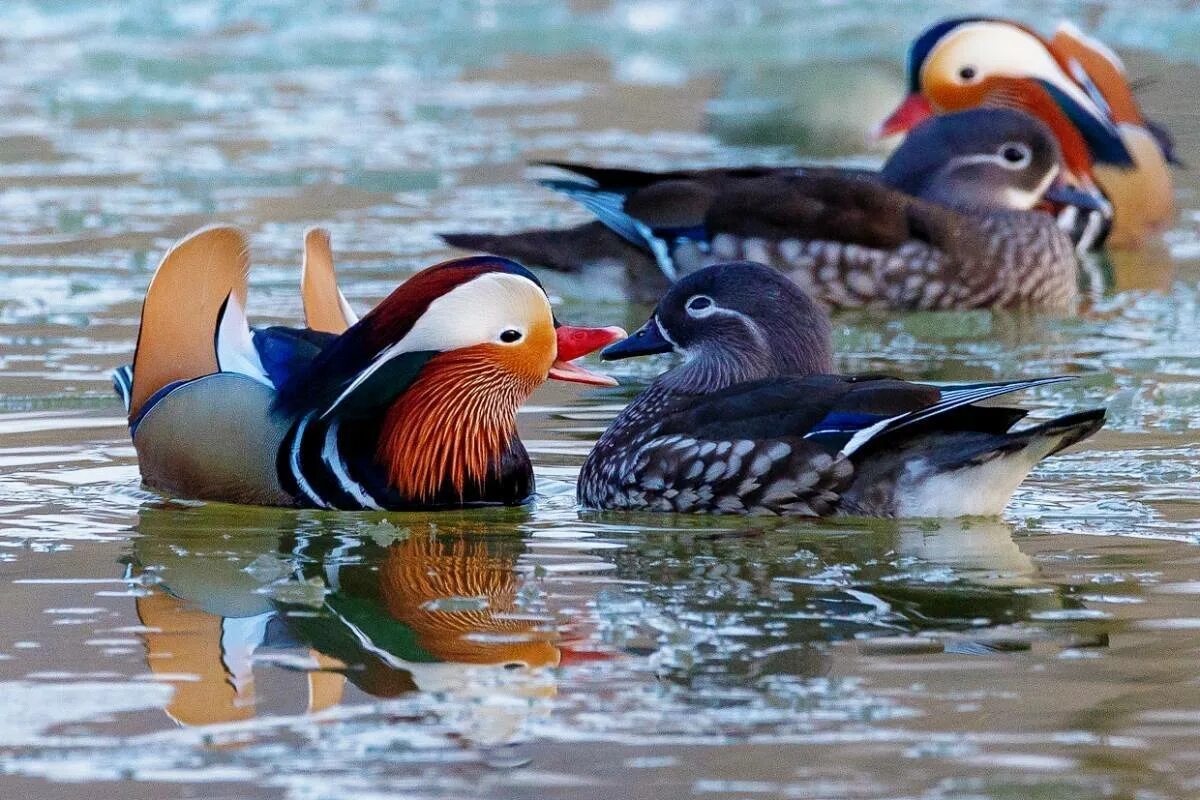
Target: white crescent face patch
x=477 y=312
x=473 y=313
x=992 y=49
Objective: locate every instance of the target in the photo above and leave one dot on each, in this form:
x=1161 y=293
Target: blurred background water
x=151 y=648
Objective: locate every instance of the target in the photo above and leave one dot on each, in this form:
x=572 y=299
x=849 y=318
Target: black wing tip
x=1028 y=383
x=1073 y=428
x=467 y=241
x=565 y=166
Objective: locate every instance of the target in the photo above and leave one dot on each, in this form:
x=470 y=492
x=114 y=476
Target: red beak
x=912 y=112
x=574 y=343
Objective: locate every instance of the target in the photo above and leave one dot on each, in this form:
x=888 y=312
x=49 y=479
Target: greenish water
x=153 y=648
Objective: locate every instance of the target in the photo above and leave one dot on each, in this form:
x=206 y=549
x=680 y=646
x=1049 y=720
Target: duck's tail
x=957 y=474
x=1065 y=431
x=198 y=291
x=566 y=250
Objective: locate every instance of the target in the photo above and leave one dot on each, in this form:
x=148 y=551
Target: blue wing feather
x=284 y=352
x=609 y=209
x=953 y=397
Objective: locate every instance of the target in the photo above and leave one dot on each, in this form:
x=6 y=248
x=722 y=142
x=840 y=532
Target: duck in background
x=343 y=414
x=948 y=223
x=1075 y=85
x=753 y=423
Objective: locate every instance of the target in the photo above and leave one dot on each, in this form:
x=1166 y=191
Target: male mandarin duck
x=947 y=224
x=413 y=406
x=1074 y=84
x=752 y=422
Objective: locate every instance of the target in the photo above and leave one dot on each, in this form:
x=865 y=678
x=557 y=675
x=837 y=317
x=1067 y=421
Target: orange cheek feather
x=529 y=359
x=460 y=414
x=947 y=95
x=452 y=423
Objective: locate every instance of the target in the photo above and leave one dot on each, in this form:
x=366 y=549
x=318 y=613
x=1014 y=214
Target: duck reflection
x=297 y=614
x=788 y=590
x=981 y=551
x=384 y=608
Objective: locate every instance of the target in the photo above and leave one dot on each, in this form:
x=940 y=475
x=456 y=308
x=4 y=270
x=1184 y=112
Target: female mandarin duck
x=413 y=406
x=946 y=224
x=1073 y=83
x=752 y=423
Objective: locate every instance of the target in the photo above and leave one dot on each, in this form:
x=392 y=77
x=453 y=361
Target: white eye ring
x=700 y=306
x=1015 y=155
x=967 y=73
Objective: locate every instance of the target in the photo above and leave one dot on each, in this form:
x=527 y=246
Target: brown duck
x=950 y=222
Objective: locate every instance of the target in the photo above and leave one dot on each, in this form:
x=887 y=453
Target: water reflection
x=278 y=620
x=256 y=612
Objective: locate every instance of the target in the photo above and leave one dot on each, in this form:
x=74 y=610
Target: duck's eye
x=967 y=73
x=699 y=305
x=1015 y=155
x=509 y=336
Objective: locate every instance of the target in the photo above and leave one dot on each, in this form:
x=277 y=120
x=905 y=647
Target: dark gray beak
x=1067 y=195
x=645 y=341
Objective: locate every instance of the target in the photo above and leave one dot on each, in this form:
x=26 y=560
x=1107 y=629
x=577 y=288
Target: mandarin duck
x=946 y=224
x=412 y=407
x=752 y=421
x=1073 y=83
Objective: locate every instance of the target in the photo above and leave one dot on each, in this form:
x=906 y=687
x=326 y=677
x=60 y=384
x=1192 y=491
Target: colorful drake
x=947 y=223
x=1073 y=83
x=414 y=406
x=750 y=422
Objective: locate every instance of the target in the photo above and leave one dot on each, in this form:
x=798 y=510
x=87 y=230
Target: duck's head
x=984 y=158
x=731 y=323
x=968 y=62
x=488 y=315
x=440 y=367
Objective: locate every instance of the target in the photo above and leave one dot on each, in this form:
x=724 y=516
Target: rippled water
x=219 y=652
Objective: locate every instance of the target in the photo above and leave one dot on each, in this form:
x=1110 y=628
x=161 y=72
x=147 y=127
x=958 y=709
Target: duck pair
x=957 y=217
x=414 y=405
x=1074 y=84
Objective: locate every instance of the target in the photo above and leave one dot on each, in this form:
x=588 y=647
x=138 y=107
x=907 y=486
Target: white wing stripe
x=294 y=464
x=333 y=460
x=951 y=398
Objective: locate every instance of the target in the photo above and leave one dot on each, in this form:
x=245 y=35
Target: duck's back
x=927 y=258
x=739 y=450
x=213 y=438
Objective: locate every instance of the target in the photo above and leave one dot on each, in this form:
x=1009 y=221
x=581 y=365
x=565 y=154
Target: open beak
x=576 y=342
x=912 y=112
x=646 y=340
